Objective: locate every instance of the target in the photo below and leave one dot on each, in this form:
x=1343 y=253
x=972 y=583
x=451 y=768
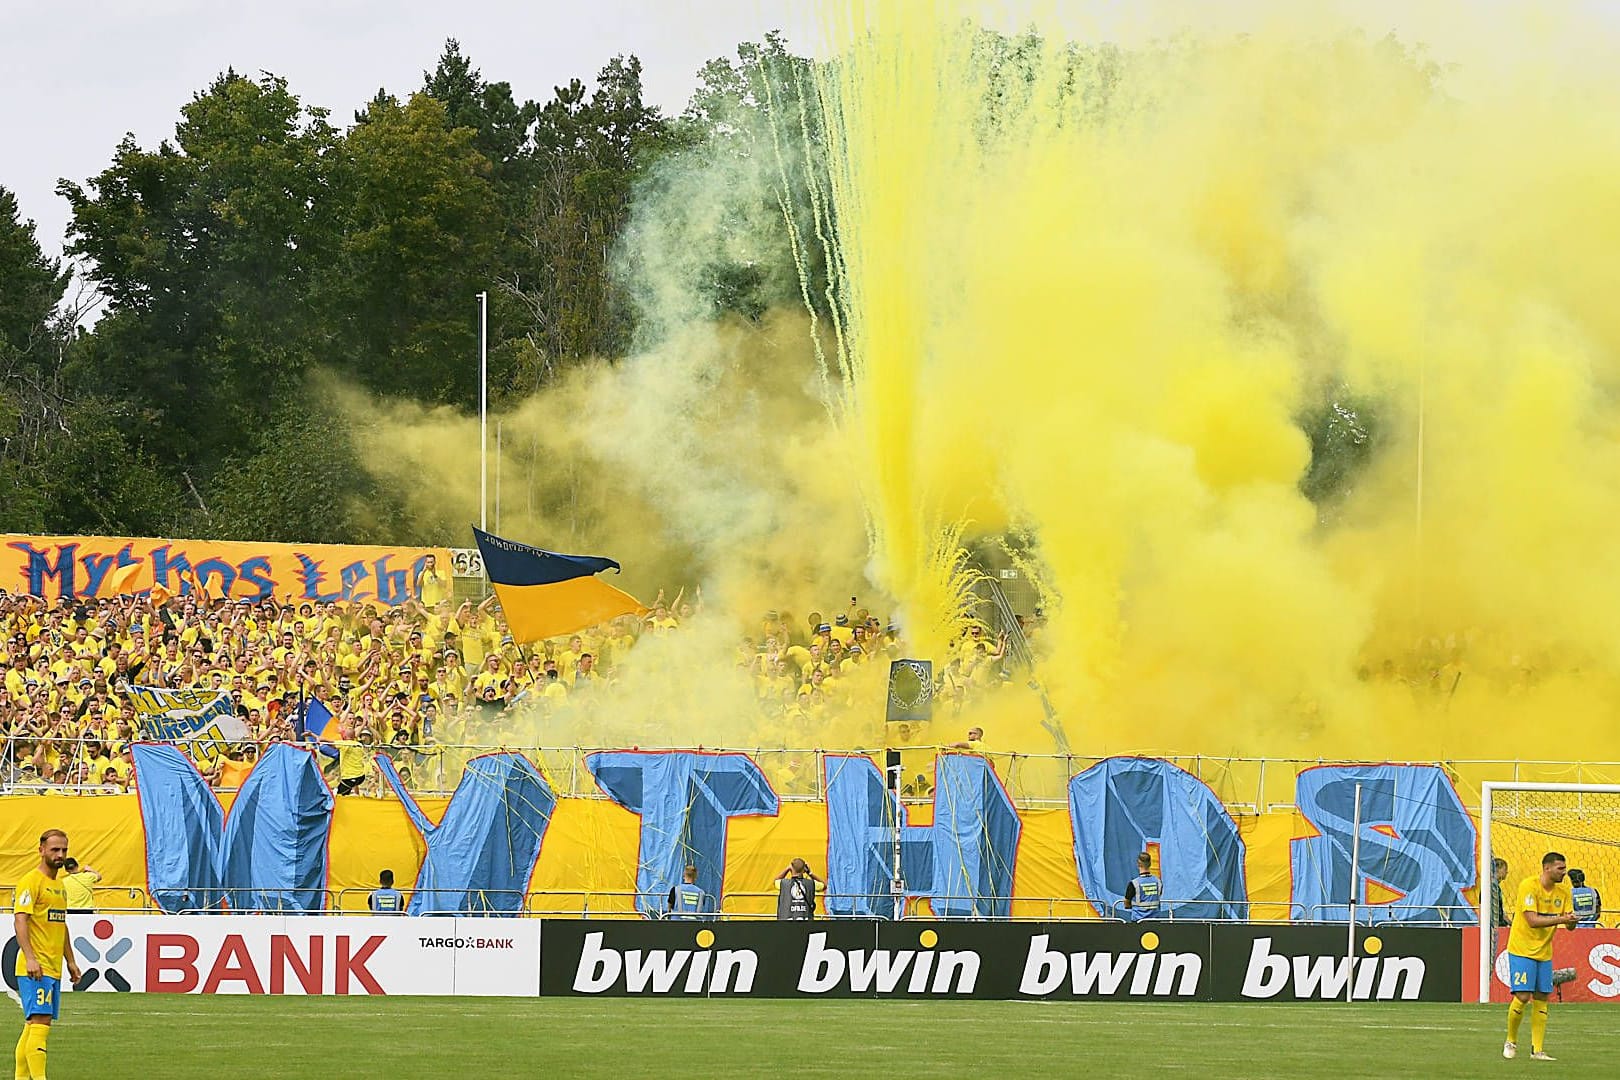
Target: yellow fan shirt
x=80 y=888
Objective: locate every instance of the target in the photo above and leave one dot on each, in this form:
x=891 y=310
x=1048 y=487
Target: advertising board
x=267 y=954
x=839 y=958
x=1590 y=956
x=999 y=960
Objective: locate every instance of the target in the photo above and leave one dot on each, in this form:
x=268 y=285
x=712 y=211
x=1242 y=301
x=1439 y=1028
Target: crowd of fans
x=802 y=668
x=1434 y=669
x=417 y=682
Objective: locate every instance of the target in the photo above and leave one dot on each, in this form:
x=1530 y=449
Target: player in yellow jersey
x=1541 y=905
x=40 y=916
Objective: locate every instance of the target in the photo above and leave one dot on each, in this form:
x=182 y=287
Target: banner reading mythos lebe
x=259 y=954
x=87 y=567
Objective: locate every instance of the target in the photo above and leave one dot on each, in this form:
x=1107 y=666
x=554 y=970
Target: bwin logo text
x=1327 y=978
x=1105 y=974
x=883 y=970
x=658 y=971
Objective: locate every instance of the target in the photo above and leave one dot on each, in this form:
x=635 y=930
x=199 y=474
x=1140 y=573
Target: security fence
x=745 y=906
x=1246 y=785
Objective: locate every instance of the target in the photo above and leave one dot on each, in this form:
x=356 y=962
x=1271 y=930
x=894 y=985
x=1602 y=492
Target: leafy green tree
x=204 y=249
x=745 y=162
x=590 y=148
x=31 y=348
x=503 y=131
x=302 y=483
x=1345 y=435
x=102 y=481
x=501 y=126
x=419 y=230
x=34 y=285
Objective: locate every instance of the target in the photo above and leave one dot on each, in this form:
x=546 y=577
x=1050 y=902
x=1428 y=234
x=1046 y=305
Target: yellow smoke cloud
x=1088 y=295
x=1091 y=293
x=706 y=461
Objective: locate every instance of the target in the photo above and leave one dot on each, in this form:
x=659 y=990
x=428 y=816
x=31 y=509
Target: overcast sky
x=76 y=75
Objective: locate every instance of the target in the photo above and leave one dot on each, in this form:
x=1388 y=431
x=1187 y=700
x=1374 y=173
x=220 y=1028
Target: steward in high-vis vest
x=796 y=892
x=386 y=900
x=1587 y=901
x=687 y=900
x=1143 y=892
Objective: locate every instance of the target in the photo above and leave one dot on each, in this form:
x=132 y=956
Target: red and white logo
x=254 y=954
x=1593 y=954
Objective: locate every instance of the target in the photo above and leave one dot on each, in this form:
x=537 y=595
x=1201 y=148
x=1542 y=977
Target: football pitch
x=181 y=1037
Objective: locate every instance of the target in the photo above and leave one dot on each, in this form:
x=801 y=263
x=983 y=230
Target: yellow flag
x=126 y=580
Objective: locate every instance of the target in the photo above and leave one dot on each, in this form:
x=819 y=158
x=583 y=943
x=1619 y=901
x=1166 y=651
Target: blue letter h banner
x=963 y=863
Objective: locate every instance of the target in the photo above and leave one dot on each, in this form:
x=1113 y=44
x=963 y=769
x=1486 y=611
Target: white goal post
x=1566 y=807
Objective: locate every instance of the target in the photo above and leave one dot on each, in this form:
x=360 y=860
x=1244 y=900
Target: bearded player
x=40 y=917
x=1541 y=905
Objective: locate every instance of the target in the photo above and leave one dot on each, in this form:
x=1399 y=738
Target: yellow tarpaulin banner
x=588 y=860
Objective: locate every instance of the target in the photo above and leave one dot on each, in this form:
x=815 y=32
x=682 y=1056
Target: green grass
x=138 y=1036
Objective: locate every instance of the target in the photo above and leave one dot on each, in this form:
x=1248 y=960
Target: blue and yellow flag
x=544 y=594
x=313 y=718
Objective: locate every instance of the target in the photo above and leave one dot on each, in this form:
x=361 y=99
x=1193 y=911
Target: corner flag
x=544 y=594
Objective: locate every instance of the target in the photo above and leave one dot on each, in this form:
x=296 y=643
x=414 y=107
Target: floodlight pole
x=483 y=411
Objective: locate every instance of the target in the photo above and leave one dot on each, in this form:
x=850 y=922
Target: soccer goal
x=1521 y=822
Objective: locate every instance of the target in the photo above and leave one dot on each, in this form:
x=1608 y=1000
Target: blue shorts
x=43 y=997
x=1527 y=975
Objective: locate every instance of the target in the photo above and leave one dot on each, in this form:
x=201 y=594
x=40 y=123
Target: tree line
x=265 y=243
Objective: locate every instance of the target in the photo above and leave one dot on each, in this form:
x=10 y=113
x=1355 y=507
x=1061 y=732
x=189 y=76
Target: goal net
x=1522 y=822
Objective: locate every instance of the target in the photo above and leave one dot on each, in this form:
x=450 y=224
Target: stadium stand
x=420 y=682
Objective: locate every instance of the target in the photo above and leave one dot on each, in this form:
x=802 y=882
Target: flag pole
x=483 y=411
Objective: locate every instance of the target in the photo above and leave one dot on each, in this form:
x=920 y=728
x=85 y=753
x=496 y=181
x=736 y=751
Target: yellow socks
x=22 y=1054
x=1538 y=1026
x=34 y=1036
x=1515 y=1018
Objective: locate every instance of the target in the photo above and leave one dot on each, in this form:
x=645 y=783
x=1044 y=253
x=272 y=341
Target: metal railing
x=262 y=900
x=116 y=899
x=108 y=899
x=1034 y=781
x=1204 y=909
x=760 y=905
x=1380 y=914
